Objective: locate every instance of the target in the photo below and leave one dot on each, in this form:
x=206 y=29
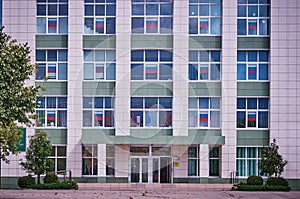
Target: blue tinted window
x=151 y=55
x=62 y=55
x=88 y=55
x=263 y=56
x=137 y=25
x=89 y=10
x=166 y=24
x=204 y=56
x=62 y=71
x=251 y=103
x=203 y=103
x=215 y=103
x=110 y=26
x=215 y=71
x=193 y=10
x=165 y=71
x=165 y=55
x=63 y=9
x=241 y=119
x=111 y=72
x=137 y=55
x=41 y=72
x=241 y=103
x=242 y=10
x=166 y=9
x=204 y=10
x=263 y=72
x=241 y=27
x=193 y=72
x=41 y=100
x=151 y=9
x=51 y=102
x=52 y=10
x=40 y=55
x=193 y=56
x=263 y=103
x=264 y=26
x=215 y=56
x=165 y=102
x=41 y=10
x=52 y=55
x=193 y=26
x=215 y=25
x=137 y=72
x=87 y=102
x=61 y=102
x=100 y=10
x=136 y=102
x=252 y=56
x=109 y=102
x=151 y=102
x=137 y=9
x=252 y=11
x=241 y=71
x=98 y=103
x=263 y=119
x=241 y=56
x=63 y=25
x=110 y=10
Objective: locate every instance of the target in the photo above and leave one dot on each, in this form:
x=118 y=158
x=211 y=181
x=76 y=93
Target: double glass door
x=150 y=169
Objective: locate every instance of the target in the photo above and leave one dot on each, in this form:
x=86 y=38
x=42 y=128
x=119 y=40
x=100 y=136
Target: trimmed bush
x=26 y=182
x=261 y=188
x=255 y=180
x=58 y=185
x=277 y=181
x=50 y=178
x=72 y=183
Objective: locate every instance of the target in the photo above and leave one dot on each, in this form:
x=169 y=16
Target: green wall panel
x=205 y=42
x=99 y=41
x=253 y=89
x=54 y=88
x=148 y=137
x=151 y=89
x=205 y=89
x=57 y=136
x=205 y=132
x=98 y=88
x=253 y=137
x=51 y=41
x=151 y=41
x=254 y=43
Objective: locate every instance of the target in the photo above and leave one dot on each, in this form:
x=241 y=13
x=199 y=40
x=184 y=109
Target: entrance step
x=153 y=187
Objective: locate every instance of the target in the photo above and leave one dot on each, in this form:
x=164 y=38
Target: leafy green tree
x=36 y=155
x=17 y=100
x=271 y=161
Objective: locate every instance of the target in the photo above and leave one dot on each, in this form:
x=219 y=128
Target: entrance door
x=165 y=169
x=139 y=170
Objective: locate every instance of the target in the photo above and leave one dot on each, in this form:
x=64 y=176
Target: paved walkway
x=145 y=191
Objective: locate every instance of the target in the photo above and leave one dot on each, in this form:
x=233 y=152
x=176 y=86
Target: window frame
x=93 y=156
x=213 y=159
x=56 y=157
x=195 y=160
x=110 y=161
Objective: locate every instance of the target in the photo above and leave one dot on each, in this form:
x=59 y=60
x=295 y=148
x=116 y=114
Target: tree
x=17 y=101
x=36 y=155
x=271 y=161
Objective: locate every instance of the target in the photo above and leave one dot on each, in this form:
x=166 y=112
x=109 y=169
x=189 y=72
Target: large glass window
x=204 y=112
x=52 y=17
x=110 y=160
x=52 y=64
x=99 y=16
x=252 y=113
x=253 y=65
x=99 y=65
x=193 y=161
x=205 y=17
x=151 y=65
x=151 y=112
x=89 y=159
x=98 y=112
x=204 y=65
x=214 y=161
x=247 y=161
x=253 y=17
x=52 y=112
x=59 y=157
x=152 y=16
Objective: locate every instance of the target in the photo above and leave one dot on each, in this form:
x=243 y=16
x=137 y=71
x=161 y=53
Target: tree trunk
x=39 y=181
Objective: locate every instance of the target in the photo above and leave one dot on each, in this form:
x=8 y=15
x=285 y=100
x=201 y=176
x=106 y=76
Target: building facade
x=162 y=91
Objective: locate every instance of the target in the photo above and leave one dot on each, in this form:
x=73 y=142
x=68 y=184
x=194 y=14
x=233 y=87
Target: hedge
x=245 y=187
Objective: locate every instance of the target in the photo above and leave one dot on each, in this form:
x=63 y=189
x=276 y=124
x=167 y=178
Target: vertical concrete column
x=229 y=86
x=180 y=68
x=75 y=71
x=180 y=159
x=285 y=82
x=204 y=160
x=122 y=89
x=19 y=20
x=101 y=160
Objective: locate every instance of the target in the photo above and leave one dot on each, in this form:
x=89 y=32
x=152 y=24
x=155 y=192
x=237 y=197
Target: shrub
x=261 y=188
x=277 y=181
x=72 y=183
x=26 y=182
x=58 y=185
x=50 y=178
x=255 y=180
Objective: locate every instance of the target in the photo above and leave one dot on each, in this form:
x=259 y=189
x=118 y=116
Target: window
x=52 y=112
x=151 y=65
x=59 y=158
x=99 y=16
x=193 y=161
x=152 y=17
x=151 y=111
x=89 y=159
x=204 y=112
x=110 y=160
x=252 y=113
x=247 y=161
x=253 y=65
x=99 y=65
x=205 y=17
x=214 y=161
x=52 y=64
x=52 y=17
x=204 y=65
x=253 y=17
x=98 y=112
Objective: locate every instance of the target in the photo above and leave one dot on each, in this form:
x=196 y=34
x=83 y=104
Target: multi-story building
x=162 y=91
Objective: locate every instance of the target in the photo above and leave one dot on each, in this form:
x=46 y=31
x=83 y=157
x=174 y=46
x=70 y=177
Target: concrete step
x=153 y=187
